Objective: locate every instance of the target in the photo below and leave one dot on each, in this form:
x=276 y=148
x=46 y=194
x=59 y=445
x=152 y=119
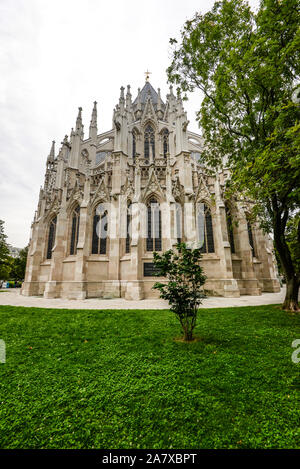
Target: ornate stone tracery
x=148 y=155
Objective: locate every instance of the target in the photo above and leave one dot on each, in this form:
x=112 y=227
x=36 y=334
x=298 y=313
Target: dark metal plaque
x=149 y=269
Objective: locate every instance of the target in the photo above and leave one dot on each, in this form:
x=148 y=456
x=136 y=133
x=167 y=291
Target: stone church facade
x=111 y=199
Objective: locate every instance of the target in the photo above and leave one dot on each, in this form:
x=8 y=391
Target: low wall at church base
x=142 y=289
x=270 y=285
x=33 y=288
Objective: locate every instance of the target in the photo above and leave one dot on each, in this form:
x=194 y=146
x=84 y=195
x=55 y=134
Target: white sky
x=57 y=55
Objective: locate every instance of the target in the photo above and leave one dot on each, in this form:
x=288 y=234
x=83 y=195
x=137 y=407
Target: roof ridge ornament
x=148 y=75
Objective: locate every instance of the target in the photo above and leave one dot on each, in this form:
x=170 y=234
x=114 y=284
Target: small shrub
x=183 y=287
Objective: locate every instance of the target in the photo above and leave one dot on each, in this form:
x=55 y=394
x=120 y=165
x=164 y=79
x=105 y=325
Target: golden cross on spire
x=147 y=75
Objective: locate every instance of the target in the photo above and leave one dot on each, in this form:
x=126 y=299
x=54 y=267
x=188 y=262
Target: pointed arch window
x=153 y=242
x=178 y=218
x=75 y=230
x=165 y=136
x=230 y=228
x=149 y=141
x=128 y=227
x=51 y=237
x=251 y=240
x=133 y=145
x=205 y=228
x=100 y=227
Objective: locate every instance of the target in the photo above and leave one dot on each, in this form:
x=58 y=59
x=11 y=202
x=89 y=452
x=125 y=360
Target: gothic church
x=111 y=199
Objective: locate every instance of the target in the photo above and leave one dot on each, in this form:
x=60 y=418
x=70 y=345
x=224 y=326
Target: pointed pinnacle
x=79 y=119
x=52 y=151
x=94 y=114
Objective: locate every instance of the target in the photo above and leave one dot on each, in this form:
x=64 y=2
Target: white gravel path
x=13 y=297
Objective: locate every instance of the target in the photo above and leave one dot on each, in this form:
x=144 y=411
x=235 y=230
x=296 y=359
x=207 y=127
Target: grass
x=117 y=379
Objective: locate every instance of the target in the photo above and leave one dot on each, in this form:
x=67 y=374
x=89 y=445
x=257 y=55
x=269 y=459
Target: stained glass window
x=197 y=157
x=75 y=230
x=128 y=227
x=153 y=242
x=165 y=136
x=178 y=222
x=100 y=226
x=149 y=141
x=133 y=145
x=100 y=156
x=251 y=241
x=51 y=237
x=230 y=229
x=205 y=228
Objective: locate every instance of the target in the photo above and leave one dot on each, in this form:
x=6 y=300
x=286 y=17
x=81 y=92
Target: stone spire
x=171 y=97
x=159 y=106
x=61 y=162
x=52 y=151
x=65 y=141
x=158 y=99
x=171 y=106
x=122 y=93
x=139 y=104
x=65 y=147
x=122 y=99
x=128 y=98
x=93 y=123
x=179 y=104
x=51 y=156
x=76 y=138
x=79 y=126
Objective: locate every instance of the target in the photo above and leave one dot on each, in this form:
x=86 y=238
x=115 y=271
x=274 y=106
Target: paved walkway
x=14 y=298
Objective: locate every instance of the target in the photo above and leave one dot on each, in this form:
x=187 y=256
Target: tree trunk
x=188 y=336
x=292 y=281
x=291 y=297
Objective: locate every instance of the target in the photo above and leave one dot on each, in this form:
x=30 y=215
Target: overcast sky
x=57 y=55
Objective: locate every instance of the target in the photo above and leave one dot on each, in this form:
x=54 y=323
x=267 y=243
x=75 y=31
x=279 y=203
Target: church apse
x=110 y=199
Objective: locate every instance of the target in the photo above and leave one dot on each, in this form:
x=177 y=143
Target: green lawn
x=117 y=379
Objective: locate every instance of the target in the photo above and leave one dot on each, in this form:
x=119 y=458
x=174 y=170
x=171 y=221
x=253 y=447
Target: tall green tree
x=247 y=65
x=4 y=254
x=19 y=265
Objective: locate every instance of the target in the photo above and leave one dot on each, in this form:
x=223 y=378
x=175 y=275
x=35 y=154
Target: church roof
x=145 y=92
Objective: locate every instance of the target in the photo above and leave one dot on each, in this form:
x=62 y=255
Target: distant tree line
x=11 y=268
